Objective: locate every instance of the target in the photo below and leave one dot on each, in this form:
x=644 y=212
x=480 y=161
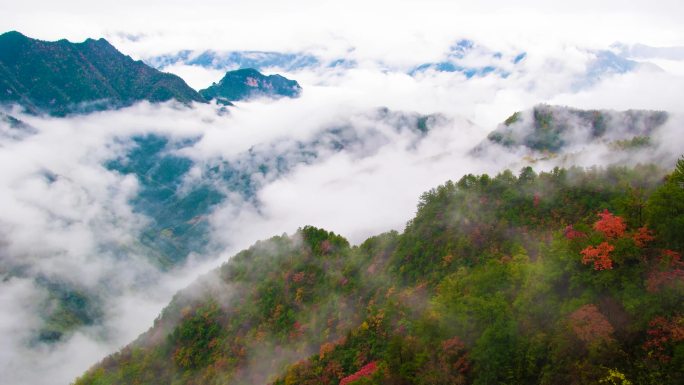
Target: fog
x=69 y=218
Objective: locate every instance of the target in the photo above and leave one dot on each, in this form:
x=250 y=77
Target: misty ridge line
x=94 y=93
x=60 y=78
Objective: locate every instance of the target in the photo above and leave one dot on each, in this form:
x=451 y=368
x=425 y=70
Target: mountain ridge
x=61 y=77
x=550 y=128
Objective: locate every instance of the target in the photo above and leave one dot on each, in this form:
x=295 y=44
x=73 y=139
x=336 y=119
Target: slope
x=557 y=277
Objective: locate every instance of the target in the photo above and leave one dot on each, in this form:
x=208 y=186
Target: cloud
x=643 y=89
x=359 y=197
x=197 y=77
x=68 y=217
x=395 y=31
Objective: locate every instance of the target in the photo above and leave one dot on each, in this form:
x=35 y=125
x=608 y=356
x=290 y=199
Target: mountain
x=62 y=77
x=456 y=60
x=556 y=128
x=567 y=276
x=249 y=83
x=237 y=59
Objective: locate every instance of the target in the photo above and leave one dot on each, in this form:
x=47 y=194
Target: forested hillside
x=563 y=277
x=62 y=77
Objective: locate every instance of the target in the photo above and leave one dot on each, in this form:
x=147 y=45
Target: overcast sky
x=394 y=30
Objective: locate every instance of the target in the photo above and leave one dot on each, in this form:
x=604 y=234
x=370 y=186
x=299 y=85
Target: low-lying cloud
x=69 y=218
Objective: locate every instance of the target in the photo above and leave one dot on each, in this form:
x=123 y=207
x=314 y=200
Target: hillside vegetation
x=563 y=277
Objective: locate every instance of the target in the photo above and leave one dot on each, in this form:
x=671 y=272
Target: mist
x=69 y=218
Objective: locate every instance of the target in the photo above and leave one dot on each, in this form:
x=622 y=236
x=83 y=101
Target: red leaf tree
x=589 y=325
x=600 y=256
x=661 y=334
x=669 y=272
x=610 y=225
x=643 y=236
x=365 y=371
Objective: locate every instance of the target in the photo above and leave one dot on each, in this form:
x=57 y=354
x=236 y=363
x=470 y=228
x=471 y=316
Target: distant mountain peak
x=12 y=34
x=248 y=83
x=247 y=71
x=100 y=42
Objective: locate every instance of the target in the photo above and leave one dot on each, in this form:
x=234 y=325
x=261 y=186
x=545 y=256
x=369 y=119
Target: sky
x=396 y=30
x=358 y=192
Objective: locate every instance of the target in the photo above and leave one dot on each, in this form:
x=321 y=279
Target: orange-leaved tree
x=610 y=225
x=613 y=230
x=600 y=255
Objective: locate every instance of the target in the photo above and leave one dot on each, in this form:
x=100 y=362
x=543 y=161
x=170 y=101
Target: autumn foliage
x=524 y=288
x=454 y=357
x=669 y=272
x=610 y=225
x=600 y=256
x=643 y=236
x=663 y=332
x=571 y=233
x=589 y=325
x=365 y=371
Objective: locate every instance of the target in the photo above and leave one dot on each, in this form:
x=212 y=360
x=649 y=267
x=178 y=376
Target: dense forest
x=572 y=276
